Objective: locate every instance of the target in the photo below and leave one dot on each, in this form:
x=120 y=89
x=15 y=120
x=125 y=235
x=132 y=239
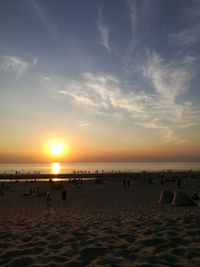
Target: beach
x=99 y=224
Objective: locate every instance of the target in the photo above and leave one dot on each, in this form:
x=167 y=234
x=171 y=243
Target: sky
x=112 y=80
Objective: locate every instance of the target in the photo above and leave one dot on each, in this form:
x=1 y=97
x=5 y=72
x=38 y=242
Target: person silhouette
x=48 y=197
x=124 y=183
x=64 y=194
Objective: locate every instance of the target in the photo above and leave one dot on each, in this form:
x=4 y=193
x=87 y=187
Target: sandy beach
x=98 y=225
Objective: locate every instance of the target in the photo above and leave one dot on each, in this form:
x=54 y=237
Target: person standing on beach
x=179 y=183
x=48 y=198
x=124 y=183
x=162 y=182
x=64 y=194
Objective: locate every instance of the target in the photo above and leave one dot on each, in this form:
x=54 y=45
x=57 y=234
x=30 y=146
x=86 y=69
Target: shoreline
x=101 y=175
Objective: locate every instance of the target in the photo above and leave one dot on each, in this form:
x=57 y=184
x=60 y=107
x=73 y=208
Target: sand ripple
x=97 y=226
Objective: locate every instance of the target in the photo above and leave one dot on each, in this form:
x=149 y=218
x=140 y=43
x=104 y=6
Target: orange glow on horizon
x=81 y=150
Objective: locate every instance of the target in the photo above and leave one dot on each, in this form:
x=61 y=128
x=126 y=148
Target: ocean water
x=46 y=168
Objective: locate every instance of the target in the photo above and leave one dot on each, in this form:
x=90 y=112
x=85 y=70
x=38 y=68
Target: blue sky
x=112 y=77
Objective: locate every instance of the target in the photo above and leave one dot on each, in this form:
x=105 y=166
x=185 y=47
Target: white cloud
x=15 y=64
x=104 y=32
x=103 y=93
x=168 y=79
x=162 y=109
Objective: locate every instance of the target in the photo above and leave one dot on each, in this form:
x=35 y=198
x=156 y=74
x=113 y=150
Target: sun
x=56 y=149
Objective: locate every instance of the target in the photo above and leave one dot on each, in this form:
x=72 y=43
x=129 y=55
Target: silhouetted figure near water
x=179 y=183
x=48 y=198
x=162 y=182
x=64 y=194
x=124 y=183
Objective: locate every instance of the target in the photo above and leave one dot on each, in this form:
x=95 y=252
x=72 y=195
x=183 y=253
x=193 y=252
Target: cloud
x=103 y=93
x=161 y=109
x=84 y=124
x=43 y=17
x=35 y=61
x=132 y=16
x=169 y=82
x=39 y=12
x=190 y=35
x=187 y=37
x=130 y=53
x=168 y=79
x=16 y=64
x=104 y=32
x=193 y=9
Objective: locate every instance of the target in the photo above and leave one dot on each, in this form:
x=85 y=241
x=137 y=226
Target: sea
x=65 y=168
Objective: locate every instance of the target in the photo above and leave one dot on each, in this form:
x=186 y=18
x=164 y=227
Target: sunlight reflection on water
x=55 y=167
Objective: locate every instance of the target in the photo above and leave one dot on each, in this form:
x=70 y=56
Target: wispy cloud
x=84 y=124
x=104 y=31
x=39 y=12
x=170 y=81
x=105 y=94
x=43 y=16
x=186 y=37
x=190 y=34
x=133 y=19
x=16 y=64
x=47 y=78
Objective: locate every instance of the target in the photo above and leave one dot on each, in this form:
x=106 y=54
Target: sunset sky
x=111 y=80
